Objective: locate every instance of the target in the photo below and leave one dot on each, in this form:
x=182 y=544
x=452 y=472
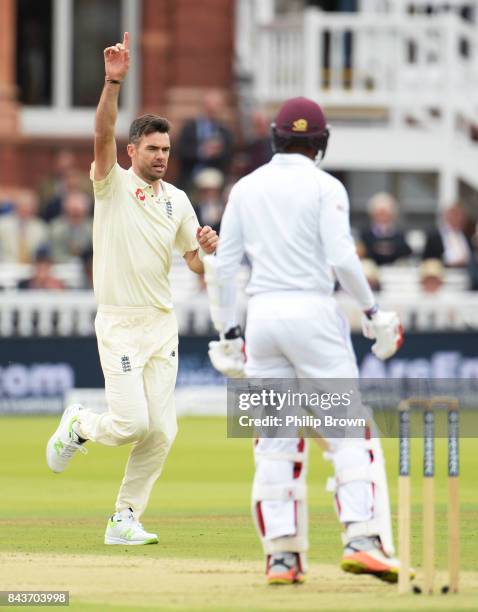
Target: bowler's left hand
x=207 y=239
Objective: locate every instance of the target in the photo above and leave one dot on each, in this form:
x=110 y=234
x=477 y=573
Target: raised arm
x=116 y=68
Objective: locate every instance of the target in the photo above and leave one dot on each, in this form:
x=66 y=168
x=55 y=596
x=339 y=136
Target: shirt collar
x=292 y=158
x=139 y=181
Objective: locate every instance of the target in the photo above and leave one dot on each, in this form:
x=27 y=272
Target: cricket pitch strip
x=133 y=582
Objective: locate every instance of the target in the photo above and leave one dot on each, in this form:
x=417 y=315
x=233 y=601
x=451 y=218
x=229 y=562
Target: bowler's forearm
x=107 y=111
x=195 y=264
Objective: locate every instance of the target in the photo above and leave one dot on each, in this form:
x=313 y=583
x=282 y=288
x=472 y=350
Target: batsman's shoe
x=124 y=529
x=65 y=441
x=284 y=568
x=364 y=555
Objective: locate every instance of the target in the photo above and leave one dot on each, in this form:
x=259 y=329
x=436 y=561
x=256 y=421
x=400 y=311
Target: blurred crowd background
x=51 y=225
x=213 y=72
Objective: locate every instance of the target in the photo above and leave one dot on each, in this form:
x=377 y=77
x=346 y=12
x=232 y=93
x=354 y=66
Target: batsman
x=138 y=220
x=291 y=219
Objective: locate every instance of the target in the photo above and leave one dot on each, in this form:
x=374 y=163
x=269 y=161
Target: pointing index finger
x=126 y=40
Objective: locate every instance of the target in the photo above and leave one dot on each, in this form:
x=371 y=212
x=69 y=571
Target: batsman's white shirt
x=292 y=220
x=134 y=233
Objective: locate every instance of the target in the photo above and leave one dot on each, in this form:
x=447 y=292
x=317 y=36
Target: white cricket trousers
x=138 y=348
x=293 y=334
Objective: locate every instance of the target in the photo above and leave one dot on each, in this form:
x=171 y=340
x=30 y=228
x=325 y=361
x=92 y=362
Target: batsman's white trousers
x=138 y=348
x=302 y=335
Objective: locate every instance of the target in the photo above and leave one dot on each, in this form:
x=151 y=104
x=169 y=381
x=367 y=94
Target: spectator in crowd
x=6 y=201
x=449 y=242
x=204 y=142
x=258 y=151
x=43 y=276
x=70 y=234
x=22 y=232
x=53 y=185
x=431 y=275
x=72 y=182
x=383 y=241
x=208 y=201
x=65 y=178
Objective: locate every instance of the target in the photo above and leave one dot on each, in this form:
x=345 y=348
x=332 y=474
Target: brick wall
x=25 y=162
x=185 y=46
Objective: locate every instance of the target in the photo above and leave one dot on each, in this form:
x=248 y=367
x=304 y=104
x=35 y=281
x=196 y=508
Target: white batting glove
x=386 y=329
x=227 y=356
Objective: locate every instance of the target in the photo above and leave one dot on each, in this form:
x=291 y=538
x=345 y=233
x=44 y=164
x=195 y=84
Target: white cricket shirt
x=291 y=219
x=134 y=233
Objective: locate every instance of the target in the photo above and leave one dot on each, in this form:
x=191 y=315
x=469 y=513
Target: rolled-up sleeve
x=105 y=188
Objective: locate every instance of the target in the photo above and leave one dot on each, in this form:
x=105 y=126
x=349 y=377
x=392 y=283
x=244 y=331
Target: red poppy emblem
x=140 y=195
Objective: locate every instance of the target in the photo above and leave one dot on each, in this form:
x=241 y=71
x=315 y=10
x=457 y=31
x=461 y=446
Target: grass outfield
x=51 y=529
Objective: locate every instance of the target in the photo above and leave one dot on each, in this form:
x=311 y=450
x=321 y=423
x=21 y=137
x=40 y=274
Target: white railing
x=70 y=273
x=71 y=313
x=47 y=313
x=392 y=62
x=445 y=311
x=419 y=6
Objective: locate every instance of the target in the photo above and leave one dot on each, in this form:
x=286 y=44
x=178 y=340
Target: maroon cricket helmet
x=300 y=121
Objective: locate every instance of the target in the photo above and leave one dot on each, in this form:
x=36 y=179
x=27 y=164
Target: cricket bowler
x=291 y=219
x=138 y=220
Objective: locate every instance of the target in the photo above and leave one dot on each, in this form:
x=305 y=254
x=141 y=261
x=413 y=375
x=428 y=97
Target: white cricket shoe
x=123 y=528
x=64 y=442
